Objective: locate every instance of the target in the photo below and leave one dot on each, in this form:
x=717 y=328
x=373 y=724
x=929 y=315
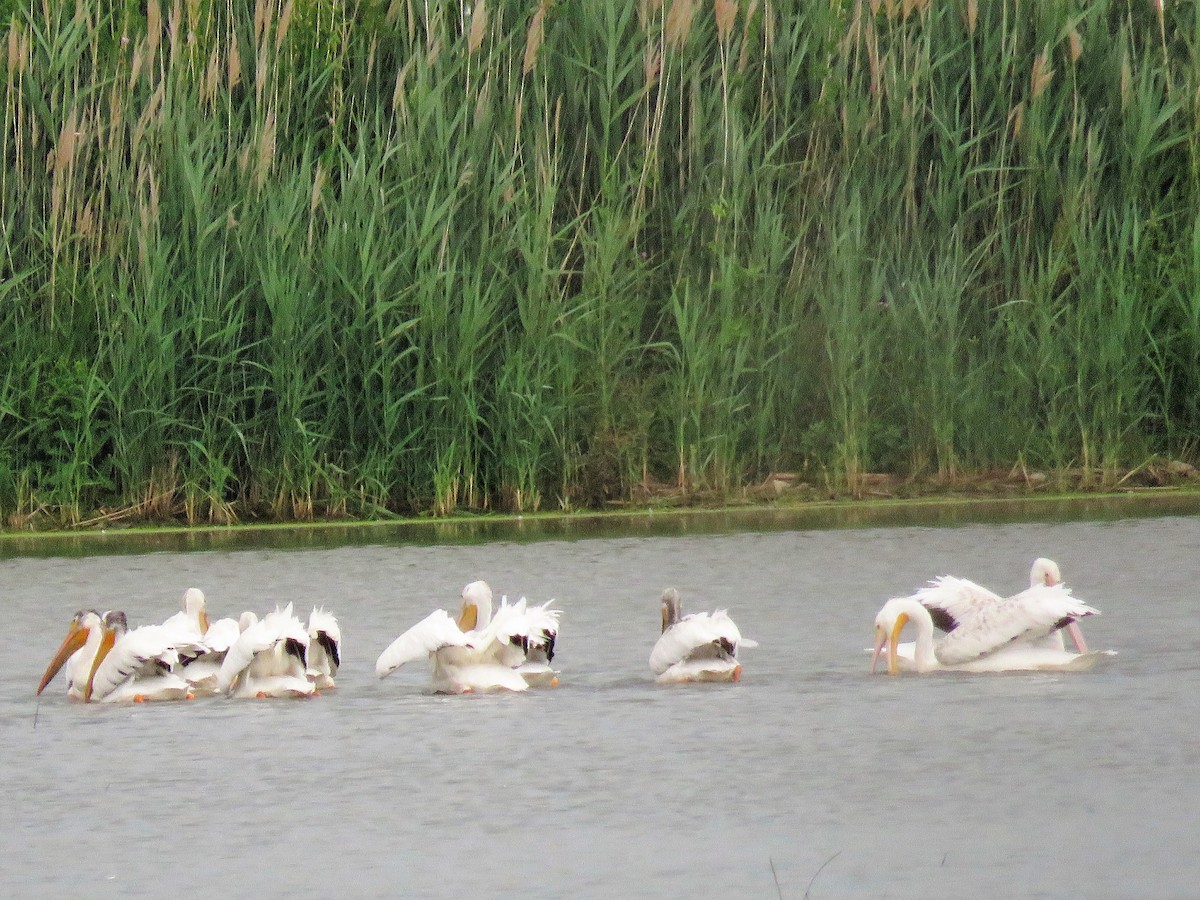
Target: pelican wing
x=221 y=635
x=952 y=601
x=542 y=632
x=274 y=628
x=182 y=626
x=183 y=633
x=259 y=637
x=324 y=642
x=137 y=652
x=731 y=631
x=505 y=641
x=697 y=636
x=508 y=619
x=435 y=631
x=542 y=620
x=1025 y=617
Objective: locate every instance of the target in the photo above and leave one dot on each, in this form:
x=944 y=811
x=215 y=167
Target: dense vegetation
x=310 y=257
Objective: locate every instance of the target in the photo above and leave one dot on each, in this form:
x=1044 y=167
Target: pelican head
x=193 y=605
x=82 y=624
x=247 y=620
x=889 y=623
x=476 y=606
x=1044 y=571
x=672 y=607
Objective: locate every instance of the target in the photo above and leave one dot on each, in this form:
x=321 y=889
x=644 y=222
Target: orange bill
x=468 y=618
x=76 y=637
x=106 y=645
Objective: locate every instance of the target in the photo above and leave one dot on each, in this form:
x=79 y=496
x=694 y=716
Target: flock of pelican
x=511 y=648
x=187 y=656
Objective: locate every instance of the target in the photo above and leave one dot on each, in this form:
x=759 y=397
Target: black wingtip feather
x=330 y=647
x=942 y=620
x=294 y=648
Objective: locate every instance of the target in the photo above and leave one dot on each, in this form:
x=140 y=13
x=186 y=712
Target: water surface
x=609 y=785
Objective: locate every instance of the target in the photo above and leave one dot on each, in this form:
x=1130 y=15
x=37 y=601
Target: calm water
x=610 y=786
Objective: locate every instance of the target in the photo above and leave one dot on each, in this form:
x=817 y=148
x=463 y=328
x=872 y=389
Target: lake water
x=809 y=777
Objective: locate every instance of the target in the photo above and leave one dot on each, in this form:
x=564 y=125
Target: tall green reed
x=299 y=259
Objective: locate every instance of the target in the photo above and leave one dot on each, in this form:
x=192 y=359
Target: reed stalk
x=301 y=258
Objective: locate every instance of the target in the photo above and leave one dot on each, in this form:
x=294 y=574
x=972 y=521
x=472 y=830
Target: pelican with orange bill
x=479 y=651
x=1014 y=635
x=106 y=662
x=76 y=653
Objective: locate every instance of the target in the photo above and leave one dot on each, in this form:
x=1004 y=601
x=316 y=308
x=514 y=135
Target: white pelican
x=136 y=664
x=696 y=647
x=952 y=600
x=324 y=648
x=106 y=662
x=76 y=652
x=269 y=658
x=193 y=620
x=1005 y=637
x=478 y=652
x=210 y=641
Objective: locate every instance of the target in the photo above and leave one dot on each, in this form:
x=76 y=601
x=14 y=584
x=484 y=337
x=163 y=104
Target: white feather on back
x=1025 y=617
x=694 y=636
x=961 y=599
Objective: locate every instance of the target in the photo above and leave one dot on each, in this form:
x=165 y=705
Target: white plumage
x=432 y=634
x=952 y=601
x=538 y=635
x=192 y=621
x=202 y=670
x=211 y=641
x=324 y=648
x=76 y=653
x=1000 y=637
x=137 y=664
x=269 y=658
x=480 y=651
x=108 y=663
x=987 y=632
x=696 y=647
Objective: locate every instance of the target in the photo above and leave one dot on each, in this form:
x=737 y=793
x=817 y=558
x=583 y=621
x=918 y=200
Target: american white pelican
x=696 y=647
x=475 y=653
x=952 y=600
x=1004 y=637
x=324 y=648
x=203 y=669
x=76 y=652
x=208 y=642
x=107 y=662
x=136 y=664
x=193 y=620
x=269 y=658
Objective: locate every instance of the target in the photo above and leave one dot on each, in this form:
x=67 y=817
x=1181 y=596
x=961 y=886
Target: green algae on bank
x=643 y=521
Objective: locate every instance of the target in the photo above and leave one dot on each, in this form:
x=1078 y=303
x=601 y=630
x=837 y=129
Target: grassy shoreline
x=307 y=260
x=783 y=512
